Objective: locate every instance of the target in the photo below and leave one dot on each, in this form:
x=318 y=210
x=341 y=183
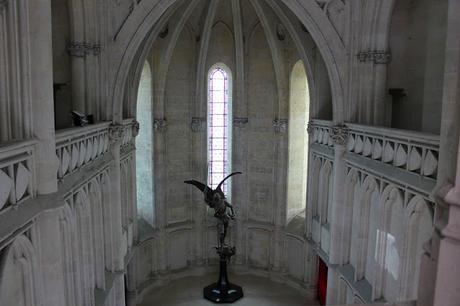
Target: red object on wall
x=322 y=282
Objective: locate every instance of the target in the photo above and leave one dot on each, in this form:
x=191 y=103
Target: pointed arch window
x=219 y=126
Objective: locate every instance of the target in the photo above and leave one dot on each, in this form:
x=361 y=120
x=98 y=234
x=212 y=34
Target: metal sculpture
x=222 y=291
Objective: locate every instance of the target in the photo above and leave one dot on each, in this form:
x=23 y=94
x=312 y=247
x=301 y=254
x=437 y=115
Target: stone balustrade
x=412 y=151
x=320 y=131
x=17 y=173
x=415 y=152
x=76 y=147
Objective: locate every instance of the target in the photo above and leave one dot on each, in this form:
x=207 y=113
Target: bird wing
x=198 y=185
x=218 y=189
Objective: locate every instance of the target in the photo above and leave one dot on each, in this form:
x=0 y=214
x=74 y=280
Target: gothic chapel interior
x=342 y=115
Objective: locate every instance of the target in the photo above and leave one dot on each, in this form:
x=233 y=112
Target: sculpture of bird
x=215 y=198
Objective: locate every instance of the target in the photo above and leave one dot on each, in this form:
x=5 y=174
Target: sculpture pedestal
x=223 y=291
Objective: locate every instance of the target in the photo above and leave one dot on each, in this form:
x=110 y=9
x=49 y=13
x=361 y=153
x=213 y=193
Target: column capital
x=376 y=56
x=198 y=124
x=240 y=122
x=340 y=134
x=160 y=125
x=280 y=125
x=115 y=133
x=136 y=127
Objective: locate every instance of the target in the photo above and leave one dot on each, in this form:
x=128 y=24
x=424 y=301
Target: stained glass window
x=218 y=127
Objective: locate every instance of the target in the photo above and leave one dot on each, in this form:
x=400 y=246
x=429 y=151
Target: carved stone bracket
x=310 y=128
x=115 y=133
x=240 y=123
x=340 y=134
x=280 y=125
x=82 y=49
x=377 y=57
x=160 y=125
x=136 y=127
x=198 y=124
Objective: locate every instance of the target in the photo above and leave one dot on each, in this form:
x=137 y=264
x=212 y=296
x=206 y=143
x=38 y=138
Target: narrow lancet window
x=219 y=126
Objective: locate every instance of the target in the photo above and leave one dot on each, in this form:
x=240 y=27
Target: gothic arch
x=98 y=230
x=19 y=267
x=370 y=186
x=71 y=262
x=325 y=178
x=352 y=184
x=313 y=191
x=391 y=212
x=418 y=227
x=134 y=35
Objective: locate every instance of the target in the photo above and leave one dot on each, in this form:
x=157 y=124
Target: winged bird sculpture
x=223 y=291
x=215 y=198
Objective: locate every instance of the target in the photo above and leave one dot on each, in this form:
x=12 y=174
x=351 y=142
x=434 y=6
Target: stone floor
x=258 y=292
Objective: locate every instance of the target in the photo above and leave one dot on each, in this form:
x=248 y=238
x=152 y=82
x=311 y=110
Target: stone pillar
x=77 y=50
x=281 y=155
x=116 y=134
x=131 y=290
x=444 y=246
x=160 y=188
x=198 y=126
x=339 y=136
x=240 y=190
x=447 y=290
x=42 y=95
x=372 y=69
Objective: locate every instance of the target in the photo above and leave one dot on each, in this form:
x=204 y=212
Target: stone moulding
x=377 y=57
x=280 y=125
x=198 y=124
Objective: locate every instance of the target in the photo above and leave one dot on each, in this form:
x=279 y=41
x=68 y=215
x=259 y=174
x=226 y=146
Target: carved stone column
x=199 y=166
x=339 y=135
x=281 y=160
x=239 y=197
x=159 y=128
x=116 y=135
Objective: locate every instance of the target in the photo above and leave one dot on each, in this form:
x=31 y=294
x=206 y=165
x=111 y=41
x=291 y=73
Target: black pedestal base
x=223 y=293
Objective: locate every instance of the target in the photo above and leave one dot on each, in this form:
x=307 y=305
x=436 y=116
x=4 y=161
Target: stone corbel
x=198 y=124
x=160 y=125
x=116 y=133
x=310 y=128
x=136 y=127
x=280 y=125
x=340 y=134
x=377 y=57
x=240 y=123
